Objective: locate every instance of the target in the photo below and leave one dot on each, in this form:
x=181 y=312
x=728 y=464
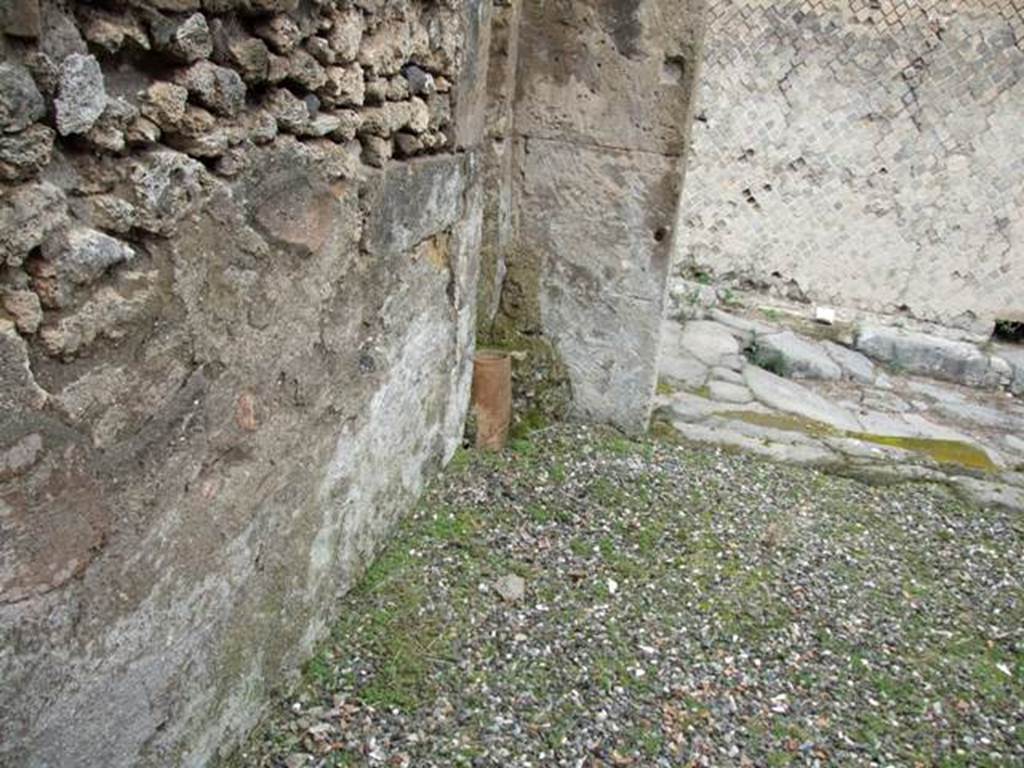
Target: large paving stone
x=685 y=406
x=795 y=357
x=908 y=425
x=986 y=493
x=727 y=392
x=1014 y=356
x=784 y=395
x=675 y=365
x=933 y=390
x=789 y=449
x=743 y=328
x=855 y=365
x=883 y=400
x=727 y=374
x=709 y=342
x=868 y=451
x=691 y=300
x=1014 y=443
x=682 y=370
x=926 y=355
x=981 y=415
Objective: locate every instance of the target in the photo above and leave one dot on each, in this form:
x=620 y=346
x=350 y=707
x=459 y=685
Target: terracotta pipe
x=492 y=398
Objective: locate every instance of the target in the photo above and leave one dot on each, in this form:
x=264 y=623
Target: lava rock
x=343 y=87
x=421 y=82
x=164 y=104
x=305 y=70
x=24 y=154
x=83 y=254
x=27 y=216
x=166 y=186
x=347 y=34
x=21 y=103
x=20 y=18
x=281 y=33
x=82 y=96
x=218 y=88
x=24 y=307
x=291 y=112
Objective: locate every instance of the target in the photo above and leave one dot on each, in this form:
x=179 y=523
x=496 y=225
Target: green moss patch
x=946 y=452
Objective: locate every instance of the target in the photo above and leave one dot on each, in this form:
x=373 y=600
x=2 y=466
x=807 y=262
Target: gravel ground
x=681 y=606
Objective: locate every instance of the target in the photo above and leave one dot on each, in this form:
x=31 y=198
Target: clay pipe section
x=492 y=398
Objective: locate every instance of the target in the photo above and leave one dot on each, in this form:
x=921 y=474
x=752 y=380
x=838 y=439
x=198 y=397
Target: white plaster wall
x=872 y=152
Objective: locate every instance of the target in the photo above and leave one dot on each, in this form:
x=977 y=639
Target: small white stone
x=825 y=315
x=510 y=587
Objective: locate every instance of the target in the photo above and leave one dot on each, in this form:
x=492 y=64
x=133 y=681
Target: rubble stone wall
x=238 y=260
x=864 y=153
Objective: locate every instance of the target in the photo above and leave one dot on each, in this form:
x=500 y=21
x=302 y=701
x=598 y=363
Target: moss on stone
x=942 y=451
x=541 y=391
x=665 y=387
x=955 y=452
x=785 y=422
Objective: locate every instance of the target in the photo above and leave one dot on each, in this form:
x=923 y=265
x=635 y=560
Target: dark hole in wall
x=1009 y=330
x=673 y=70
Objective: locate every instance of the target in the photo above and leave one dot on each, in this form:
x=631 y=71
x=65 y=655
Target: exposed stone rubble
x=925 y=406
x=21 y=104
x=356 y=84
x=81 y=96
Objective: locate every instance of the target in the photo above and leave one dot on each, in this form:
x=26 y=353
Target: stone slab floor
x=865 y=395
x=584 y=600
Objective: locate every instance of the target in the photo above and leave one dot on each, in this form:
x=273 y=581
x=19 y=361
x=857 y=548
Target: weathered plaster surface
x=601 y=121
x=499 y=210
x=214 y=405
x=868 y=151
